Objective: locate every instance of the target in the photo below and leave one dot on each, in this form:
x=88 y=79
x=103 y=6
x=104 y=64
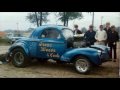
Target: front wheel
x=82 y=65
x=19 y=58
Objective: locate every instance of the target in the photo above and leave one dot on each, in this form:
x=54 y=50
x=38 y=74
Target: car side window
x=51 y=33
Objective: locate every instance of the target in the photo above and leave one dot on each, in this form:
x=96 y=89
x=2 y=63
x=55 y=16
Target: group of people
x=104 y=36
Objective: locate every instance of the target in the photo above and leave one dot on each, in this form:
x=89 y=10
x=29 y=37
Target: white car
x=13 y=39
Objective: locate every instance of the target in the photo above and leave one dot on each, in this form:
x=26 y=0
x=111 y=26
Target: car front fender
x=90 y=53
x=23 y=45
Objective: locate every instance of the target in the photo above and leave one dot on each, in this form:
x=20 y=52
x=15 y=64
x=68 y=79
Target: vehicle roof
x=41 y=28
x=59 y=27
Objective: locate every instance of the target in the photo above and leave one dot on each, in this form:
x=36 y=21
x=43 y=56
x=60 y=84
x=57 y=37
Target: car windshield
x=67 y=33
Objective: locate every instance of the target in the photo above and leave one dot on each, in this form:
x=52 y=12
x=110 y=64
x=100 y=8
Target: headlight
x=99 y=52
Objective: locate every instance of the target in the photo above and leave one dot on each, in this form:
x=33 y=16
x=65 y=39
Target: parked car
x=56 y=42
x=14 y=38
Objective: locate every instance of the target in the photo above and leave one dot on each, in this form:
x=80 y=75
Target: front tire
x=82 y=65
x=19 y=58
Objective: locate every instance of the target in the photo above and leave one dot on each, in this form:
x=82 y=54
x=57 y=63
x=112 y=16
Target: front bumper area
x=105 y=57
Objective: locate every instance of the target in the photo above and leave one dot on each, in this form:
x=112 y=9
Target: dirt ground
x=51 y=70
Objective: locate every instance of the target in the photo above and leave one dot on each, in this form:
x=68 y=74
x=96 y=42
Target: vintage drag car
x=56 y=42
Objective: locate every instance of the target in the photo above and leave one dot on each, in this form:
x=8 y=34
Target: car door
x=51 y=44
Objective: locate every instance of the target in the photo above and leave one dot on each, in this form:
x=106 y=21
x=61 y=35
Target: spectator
x=89 y=36
x=101 y=36
x=107 y=29
x=113 y=37
x=76 y=31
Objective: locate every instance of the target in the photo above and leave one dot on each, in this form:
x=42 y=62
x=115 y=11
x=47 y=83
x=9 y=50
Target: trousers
x=113 y=49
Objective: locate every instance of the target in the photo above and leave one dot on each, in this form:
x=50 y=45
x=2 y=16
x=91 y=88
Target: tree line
x=38 y=18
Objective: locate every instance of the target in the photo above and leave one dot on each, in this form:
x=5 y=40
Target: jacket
x=113 y=37
x=90 y=36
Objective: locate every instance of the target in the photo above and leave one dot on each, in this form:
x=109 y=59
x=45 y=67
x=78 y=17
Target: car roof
x=59 y=27
x=41 y=28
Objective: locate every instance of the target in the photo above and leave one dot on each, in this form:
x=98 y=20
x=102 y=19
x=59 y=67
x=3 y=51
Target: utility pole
x=17 y=26
x=18 y=32
x=101 y=20
x=93 y=19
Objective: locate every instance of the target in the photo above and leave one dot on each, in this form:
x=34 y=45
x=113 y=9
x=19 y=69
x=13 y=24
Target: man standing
x=113 y=37
x=107 y=29
x=101 y=36
x=90 y=36
x=76 y=31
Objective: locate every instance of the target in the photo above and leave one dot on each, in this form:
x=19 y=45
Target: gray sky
x=9 y=20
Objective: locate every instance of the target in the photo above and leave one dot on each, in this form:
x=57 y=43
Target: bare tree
x=66 y=16
x=38 y=17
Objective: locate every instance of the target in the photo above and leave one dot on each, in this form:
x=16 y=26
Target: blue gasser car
x=56 y=42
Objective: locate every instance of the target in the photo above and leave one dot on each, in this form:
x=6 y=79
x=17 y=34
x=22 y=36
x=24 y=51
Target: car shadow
x=68 y=69
x=97 y=70
x=54 y=66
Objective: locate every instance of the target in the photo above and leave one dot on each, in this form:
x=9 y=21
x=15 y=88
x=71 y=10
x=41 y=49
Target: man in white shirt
x=101 y=36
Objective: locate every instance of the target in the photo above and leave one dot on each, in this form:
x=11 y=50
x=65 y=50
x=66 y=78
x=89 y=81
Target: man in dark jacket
x=107 y=29
x=90 y=36
x=76 y=31
x=113 y=37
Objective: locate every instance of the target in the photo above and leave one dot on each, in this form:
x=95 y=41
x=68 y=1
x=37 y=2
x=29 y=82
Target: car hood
x=17 y=37
x=102 y=47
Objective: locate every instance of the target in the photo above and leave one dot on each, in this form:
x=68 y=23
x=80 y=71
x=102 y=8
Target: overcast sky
x=9 y=20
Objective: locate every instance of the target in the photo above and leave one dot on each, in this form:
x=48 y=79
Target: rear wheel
x=19 y=58
x=82 y=65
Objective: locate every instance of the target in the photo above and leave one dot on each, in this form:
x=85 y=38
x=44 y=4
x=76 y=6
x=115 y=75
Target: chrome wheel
x=82 y=65
x=19 y=58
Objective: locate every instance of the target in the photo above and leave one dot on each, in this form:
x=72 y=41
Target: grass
x=4 y=41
